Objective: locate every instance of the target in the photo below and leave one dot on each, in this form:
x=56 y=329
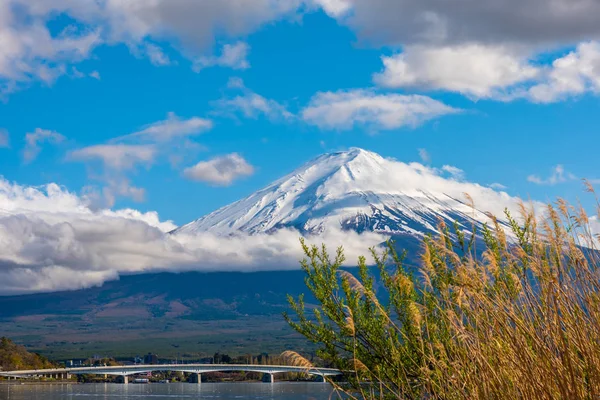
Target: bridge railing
x=126 y=370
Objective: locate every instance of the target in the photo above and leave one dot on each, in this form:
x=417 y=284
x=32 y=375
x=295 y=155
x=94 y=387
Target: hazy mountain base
x=186 y=315
x=189 y=314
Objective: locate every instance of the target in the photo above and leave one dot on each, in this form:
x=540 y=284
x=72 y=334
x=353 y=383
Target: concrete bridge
x=196 y=370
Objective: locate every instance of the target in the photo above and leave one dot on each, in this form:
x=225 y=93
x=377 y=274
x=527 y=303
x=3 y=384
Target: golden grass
x=518 y=318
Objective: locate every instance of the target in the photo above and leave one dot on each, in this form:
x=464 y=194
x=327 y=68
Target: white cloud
x=537 y=23
x=166 y=139
x=30 y=51
x=424 y=156
x=559 y=175
x=471 y=49
x=116 y=156
x=494 y=72
x=232 y=56
x=171 y=128
x=220 y=171
x=250 y=104
x=347 y=109
x=574 y=74
x=52 y=241
x=4 y=138
x=193 y=23
x=33 y=141
x=471 y=69
x=95 y=75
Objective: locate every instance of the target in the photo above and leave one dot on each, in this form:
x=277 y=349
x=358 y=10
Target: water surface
x=156 y=391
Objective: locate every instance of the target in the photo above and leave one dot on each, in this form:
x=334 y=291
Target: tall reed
x=512 y=311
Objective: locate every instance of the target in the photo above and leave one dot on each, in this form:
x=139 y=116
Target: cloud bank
x=51 y=240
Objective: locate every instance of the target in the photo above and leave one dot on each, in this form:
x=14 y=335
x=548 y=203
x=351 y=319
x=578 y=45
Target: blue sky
x=497 y=129
x=123 y=119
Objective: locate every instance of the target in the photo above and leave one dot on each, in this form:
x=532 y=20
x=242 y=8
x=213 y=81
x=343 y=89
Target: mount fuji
x=353 y=190
x=357 y=190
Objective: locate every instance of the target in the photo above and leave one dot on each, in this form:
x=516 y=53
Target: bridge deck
x=126 y=370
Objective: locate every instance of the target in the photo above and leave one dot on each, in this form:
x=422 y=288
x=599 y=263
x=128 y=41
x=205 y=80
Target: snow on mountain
x=356 y=190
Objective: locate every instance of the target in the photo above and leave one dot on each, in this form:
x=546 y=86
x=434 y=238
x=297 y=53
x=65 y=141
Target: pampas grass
x=515 y=314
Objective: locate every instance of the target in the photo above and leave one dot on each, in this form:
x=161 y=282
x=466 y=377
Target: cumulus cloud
x=116 y=156
x=574 y=74
x=494 y=72
x=171 y=128
x=232 y=56
x=31 y=51
x=478 y=49
x=471 y=69
x=250 y=104
x=35 y=139
x=4 y=138
x=536 y=23
x=169 y=138
x=115 y=161
x=221 y=170
x=345 y=110
x=51 y=241
x=559 y=175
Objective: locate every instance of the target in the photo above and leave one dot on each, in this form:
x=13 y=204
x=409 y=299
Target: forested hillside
x=13 y=357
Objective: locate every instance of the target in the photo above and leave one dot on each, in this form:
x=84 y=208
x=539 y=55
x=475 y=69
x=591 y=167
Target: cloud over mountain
x=52 y=239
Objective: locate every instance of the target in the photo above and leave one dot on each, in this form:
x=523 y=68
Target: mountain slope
x=352 y=190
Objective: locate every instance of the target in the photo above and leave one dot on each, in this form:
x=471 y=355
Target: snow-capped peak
x=355 y=189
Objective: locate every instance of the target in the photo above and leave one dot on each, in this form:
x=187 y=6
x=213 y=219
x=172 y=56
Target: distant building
x=150 y=359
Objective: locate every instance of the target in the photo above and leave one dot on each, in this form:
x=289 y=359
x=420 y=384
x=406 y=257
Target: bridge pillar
x=68 y=376
x=268 y=378
x=123 y=379
x=195 y=378
x=320 y=378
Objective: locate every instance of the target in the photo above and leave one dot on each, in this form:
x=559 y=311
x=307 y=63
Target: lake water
x=156 y=391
